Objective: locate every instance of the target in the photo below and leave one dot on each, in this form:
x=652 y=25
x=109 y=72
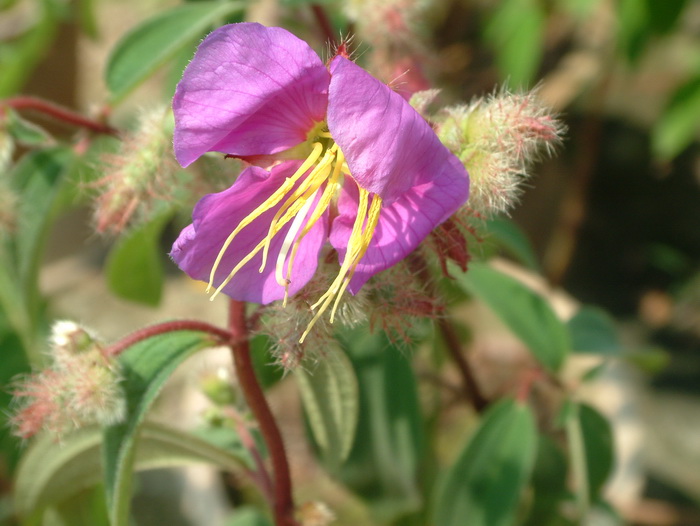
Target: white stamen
x=290 y=237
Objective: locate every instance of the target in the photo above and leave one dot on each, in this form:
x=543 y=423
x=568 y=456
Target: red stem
x=25 y=102
x=325 y=25
x=240 y=347
x=221 y=336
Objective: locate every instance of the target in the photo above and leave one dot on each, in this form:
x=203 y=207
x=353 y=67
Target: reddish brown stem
x=24 y=102
x=221 y=336
x=240 y=347
x=454 y=346
x=325 y=24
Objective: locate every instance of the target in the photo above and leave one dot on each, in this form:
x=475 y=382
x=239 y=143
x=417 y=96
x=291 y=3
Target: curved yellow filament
x=271 y=201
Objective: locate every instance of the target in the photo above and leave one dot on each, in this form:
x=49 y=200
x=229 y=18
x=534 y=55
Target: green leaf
x=51 y=472
x=663 y=16
x=19 y=57
x=88 y=18
x=330 y=396
x=515 y=32
x=39 y=182
x=678 y=125
x=598 y=443
x=634 y=28
x=153 y=43
x=146 y=366
x=524 y=312
x=484 y=486
x=247 y=516
x=267 y=371
x=591 y=450
x=383 y=466
x=134 y=267
x=548 y=482
x=512 y=239
x=592 y=330
x=27 y=133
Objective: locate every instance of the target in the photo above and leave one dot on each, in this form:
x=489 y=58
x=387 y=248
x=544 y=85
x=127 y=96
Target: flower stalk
x=58 y=113
x=240 y=347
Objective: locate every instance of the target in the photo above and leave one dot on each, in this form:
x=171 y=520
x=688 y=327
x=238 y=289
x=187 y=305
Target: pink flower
x=356 y=165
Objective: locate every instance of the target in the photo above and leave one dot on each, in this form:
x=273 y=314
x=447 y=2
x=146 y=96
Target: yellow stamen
x=314 y=180
x=323 y=204
x=271 y=201
x=357 y=247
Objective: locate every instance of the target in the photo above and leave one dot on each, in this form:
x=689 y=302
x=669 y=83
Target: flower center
x=307 y=199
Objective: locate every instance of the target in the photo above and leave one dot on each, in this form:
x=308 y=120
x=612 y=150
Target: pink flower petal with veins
x=250 y=90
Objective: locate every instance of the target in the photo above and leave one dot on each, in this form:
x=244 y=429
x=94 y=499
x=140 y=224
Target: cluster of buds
x=80 y=387
x=498 y=138
x=139 y=176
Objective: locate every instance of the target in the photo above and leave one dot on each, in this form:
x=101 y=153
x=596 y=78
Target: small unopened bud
x=218 y=387
x=80 y=387
x=498 y=139
x=315 y=514
x=137 y=177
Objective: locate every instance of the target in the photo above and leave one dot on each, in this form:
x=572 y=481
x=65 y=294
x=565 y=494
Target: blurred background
x=614 y=217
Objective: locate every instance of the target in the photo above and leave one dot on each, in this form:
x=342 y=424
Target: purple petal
x=389 y=147
x=404 y=223
x=215 y=217
x=249 y=90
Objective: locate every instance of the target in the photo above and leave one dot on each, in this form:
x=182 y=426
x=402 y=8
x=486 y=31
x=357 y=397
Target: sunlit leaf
x=51 y=472
x=484 y=486
x=525 y=313
x=146 y=366
x=330 y=396
x=153 y=43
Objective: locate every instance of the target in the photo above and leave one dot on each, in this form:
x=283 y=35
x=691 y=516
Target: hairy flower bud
x=498 y=138
x=80 y=387
x=141 y=174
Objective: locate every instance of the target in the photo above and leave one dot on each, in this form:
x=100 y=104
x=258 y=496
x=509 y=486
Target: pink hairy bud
x=80 y=387
x=498 y=138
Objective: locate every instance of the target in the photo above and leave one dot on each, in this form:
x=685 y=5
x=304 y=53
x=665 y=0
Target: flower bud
x=497 y=139
x=218 y=387
x=139 y=176
x=80 y=387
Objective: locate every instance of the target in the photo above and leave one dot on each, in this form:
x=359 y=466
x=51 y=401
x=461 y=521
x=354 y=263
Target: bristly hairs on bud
x=142 y=174
x=81 y=386
x=399 y=301
x=285 y=324
x=498 y=139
